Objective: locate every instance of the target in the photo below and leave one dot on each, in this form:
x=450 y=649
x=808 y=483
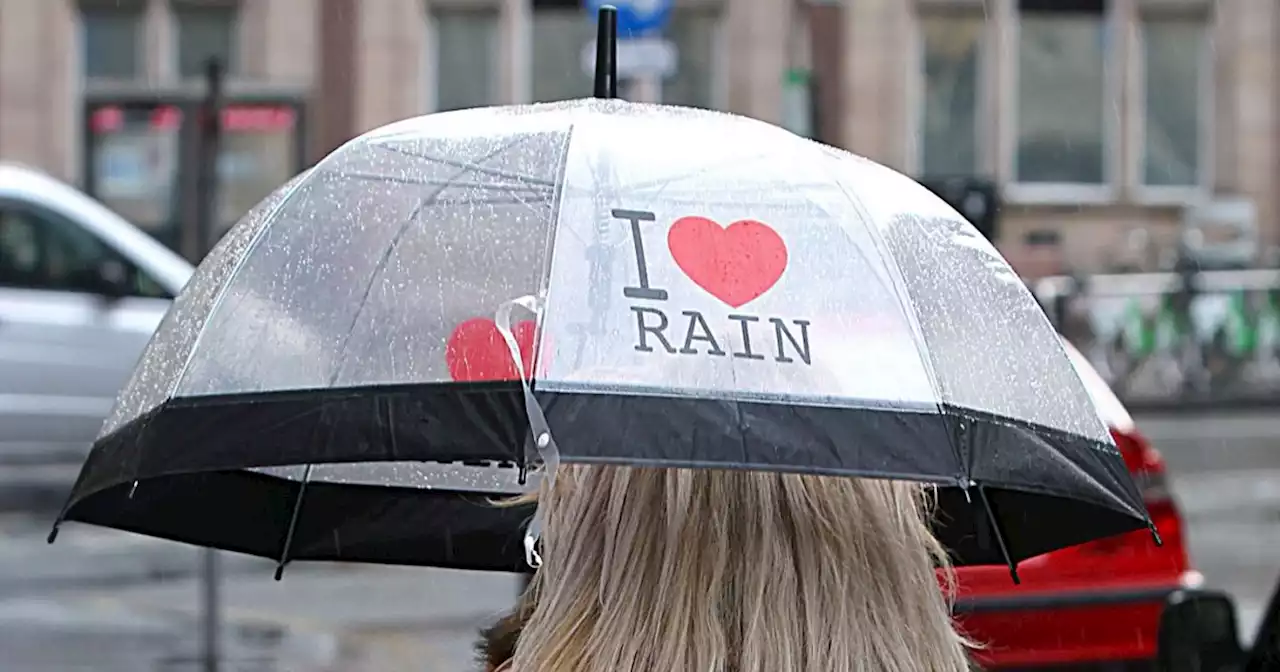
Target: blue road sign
x=636 y=18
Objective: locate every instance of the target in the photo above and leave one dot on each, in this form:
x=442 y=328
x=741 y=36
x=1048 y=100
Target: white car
x=81 y=291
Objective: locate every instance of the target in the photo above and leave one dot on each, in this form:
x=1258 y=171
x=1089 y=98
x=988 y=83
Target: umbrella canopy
x=712 y=292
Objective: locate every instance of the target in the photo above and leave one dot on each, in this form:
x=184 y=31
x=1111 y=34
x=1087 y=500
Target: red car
x=1090 y=607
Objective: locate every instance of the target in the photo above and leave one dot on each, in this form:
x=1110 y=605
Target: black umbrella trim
x=485 y=422
x=1029 y=474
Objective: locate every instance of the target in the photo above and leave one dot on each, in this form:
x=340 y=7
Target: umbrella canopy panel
x=818 y=274
x=374 y=261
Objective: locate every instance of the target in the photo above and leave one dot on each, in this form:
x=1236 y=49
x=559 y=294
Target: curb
x=1202 y=405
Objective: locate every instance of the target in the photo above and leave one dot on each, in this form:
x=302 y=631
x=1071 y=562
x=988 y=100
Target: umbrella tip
x=1155 y=534
x=1013 y=573
x=606 y=75
x=279 y=571
x=53 y=534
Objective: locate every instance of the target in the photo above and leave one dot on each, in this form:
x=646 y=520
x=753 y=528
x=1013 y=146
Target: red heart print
x=735 y=263
x=476 y=351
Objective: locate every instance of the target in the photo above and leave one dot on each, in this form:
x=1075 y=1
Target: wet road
x=131 y=600
x=1225 y=470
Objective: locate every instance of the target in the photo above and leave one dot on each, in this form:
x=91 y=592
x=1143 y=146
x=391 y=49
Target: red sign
x=235 y=118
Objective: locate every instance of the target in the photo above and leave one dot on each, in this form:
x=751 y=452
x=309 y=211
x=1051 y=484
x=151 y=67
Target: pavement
x=37 y=477
x=105 y=601
x=108 y=601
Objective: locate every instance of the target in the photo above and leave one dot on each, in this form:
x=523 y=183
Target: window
x=694 y=34
x=559 y=35
x=111 y=44
x=1062 y=89
x=1173 y=51
x=952 y=58
x=466 y=58
x=134 y=156
x=41 y=251
x=204 y=31
x=253 y=163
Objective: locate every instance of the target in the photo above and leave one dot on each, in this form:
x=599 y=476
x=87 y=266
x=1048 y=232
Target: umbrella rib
x=514 y=191
x=391 y=248
x=469 y=167
x=293 y=524
x=346 y=340
x=373 y=177
x=662 y=183
x=293 y=186
x=898 y=286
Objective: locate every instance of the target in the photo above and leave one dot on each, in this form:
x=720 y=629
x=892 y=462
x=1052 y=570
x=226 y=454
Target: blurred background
x=1123 y=154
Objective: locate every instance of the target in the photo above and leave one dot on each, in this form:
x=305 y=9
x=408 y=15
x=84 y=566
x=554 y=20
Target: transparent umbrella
x=361 y=362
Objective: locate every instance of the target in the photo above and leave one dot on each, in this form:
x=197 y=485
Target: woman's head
x=727 y=571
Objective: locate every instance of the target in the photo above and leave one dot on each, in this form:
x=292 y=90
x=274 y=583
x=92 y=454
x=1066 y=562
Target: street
x=129 y=599
x=1225 y=470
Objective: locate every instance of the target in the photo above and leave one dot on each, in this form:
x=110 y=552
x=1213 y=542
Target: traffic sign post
x=644 y=58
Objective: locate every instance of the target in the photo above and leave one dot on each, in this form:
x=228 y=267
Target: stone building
x=1097 y=118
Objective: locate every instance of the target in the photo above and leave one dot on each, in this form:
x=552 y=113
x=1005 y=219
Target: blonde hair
x=657 y=570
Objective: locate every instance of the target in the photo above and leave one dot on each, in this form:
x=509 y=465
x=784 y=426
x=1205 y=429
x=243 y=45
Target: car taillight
x=1146 y=466
x=1154 y=486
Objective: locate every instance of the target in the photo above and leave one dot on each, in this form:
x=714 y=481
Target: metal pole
x=211 y=620
x=209 y=148
x=206 y=211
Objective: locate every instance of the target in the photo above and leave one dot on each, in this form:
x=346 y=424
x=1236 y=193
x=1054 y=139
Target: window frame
x=986 y=84
x=233 y=68
x=718 y=96
x=431 y=60
x=1144 y=193
x=529 y=67
x=1113 y=165
x=134 y=10
x=46 y=216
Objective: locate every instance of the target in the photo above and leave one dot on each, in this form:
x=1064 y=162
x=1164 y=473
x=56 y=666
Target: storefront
x=140 y=156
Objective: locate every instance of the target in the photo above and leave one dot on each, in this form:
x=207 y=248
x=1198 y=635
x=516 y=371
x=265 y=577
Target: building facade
x=1097 y=118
